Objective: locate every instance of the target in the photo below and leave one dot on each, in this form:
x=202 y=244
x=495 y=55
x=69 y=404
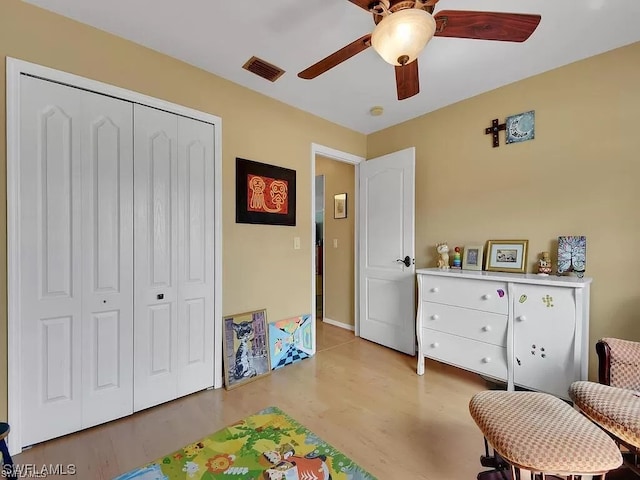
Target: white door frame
x=354 y=160
x=15 y=68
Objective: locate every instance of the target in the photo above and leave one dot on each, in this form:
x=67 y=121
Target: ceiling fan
x=404 y=27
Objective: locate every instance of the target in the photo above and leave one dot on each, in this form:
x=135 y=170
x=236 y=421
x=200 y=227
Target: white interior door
x=387 y=285
x=195 y=255
x=107 y=250
x=155 y=269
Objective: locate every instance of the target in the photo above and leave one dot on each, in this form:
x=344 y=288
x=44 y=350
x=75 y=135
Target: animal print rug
x=269 y=445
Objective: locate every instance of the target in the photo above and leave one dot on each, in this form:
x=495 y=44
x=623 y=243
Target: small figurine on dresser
x=457 y=261
x=443 y=252
x=544 y=264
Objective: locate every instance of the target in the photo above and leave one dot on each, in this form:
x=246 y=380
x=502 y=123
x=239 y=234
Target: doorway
x=334 y=268
x=319 y=244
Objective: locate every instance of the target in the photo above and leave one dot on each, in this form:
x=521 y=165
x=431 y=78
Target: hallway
x=329 y=336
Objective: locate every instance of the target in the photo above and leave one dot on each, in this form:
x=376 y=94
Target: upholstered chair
x=614 y=403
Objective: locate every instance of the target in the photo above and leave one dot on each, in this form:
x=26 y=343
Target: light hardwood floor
x=364 y=399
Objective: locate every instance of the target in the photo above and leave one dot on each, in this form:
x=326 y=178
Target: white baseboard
x=346 y=326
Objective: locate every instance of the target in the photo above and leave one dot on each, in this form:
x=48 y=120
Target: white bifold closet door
x=110 y=324
x=76 y=275
x=174 y=214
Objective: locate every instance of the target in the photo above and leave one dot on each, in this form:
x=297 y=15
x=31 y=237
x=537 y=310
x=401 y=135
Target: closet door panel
x=107 y=245
x=50 y=262
x=155 y=269
x=195 y=255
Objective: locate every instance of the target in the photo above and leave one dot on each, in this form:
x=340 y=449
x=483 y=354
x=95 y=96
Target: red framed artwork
x=265 y=194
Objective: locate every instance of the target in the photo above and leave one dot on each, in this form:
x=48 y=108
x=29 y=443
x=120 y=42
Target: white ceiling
x=221 y=35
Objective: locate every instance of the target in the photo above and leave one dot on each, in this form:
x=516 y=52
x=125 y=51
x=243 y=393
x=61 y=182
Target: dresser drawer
x=464 y=322
x=490 y=296
x=479 y=357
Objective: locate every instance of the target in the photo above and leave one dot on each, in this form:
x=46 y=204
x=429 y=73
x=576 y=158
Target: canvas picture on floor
x=290 y=340
x=246 y=349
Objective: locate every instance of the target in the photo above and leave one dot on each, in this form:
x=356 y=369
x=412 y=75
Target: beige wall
x=261 y=268
x=579 y=176
x=339 y=177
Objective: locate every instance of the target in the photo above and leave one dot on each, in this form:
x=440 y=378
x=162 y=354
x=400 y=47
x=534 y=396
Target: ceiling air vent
x=263 y=69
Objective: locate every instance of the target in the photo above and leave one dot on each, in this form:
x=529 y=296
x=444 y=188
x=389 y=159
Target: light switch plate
x=296 y=243
x=335 y=243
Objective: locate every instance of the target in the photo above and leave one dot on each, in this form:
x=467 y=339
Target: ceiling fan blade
x=362 y=3
x=407 y=80
x=505 y=27
x=336 y=58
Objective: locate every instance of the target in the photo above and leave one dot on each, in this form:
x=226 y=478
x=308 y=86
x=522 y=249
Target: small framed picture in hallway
x=340 y=205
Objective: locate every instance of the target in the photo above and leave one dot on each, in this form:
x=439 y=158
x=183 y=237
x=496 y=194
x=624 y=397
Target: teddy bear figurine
x=544 y=264
x=443 y=252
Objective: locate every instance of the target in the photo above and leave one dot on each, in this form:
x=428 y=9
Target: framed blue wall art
x=520 y=127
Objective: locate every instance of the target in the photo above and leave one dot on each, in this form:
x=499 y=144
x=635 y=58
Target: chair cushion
x=617 y=410
x=625 y=363
x=541 y=433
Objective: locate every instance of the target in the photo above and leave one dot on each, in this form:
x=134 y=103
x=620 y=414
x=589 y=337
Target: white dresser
x=525 y=329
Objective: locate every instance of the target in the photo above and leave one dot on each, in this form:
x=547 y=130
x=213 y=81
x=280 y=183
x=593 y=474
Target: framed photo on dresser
x=506 y=256
x=472 y=257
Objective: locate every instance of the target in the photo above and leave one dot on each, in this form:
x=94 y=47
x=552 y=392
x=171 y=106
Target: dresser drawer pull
x=435 y=289
x=522 y=318
x=435 y=316
x=486 y=296
x=486 y=328
x=435 y=345
x=486 y=360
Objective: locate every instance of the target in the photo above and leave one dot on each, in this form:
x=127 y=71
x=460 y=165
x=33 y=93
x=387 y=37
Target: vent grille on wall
x=263 y=69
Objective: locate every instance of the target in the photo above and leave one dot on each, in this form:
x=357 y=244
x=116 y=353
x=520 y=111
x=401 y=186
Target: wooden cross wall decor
x=494 y=129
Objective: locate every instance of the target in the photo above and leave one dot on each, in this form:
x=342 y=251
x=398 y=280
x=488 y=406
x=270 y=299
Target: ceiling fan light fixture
x=401 y=36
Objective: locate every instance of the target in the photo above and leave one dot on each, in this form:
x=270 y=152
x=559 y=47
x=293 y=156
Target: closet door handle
x=160 y=296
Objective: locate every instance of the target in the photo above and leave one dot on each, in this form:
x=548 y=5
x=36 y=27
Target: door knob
x=406 y=261
x=160 y=296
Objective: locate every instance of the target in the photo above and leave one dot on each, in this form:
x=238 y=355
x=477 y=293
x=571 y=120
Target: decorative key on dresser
x=523 y=329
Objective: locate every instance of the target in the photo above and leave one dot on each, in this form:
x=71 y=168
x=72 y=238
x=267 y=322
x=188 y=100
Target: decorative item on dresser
x=544 y=264
x=457 y=258
x=522 y=329
x=443 y=255
x=507 y=256
x=472 y=257
x=572 y=254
